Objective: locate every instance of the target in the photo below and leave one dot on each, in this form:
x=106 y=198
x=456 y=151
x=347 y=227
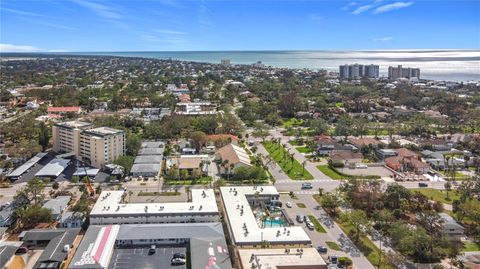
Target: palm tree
x=448 y=187
x=129 y=195
x=303 y=166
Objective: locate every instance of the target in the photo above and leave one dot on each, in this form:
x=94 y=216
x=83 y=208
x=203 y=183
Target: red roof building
x=64 y=109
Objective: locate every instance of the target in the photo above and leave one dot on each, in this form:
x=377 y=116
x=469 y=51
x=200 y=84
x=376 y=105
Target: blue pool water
x=274 y=223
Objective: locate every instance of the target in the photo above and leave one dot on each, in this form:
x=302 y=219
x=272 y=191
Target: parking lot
x=369 y=171
x=128 y=258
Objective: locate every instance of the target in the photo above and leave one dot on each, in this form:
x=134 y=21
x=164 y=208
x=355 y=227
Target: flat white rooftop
x=109 y=203
x=271 y=258
x=244 y=226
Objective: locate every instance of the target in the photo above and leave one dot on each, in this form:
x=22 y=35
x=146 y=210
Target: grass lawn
x=304 y=150
x=167 y=193
x=293 y=169
x=367 y=248
x=329 y=172
x=458 y=175
x=200 y=181
x=318 y=227
x=333 y=245
x=301 y=205
x=439 y=195
x=292 y=122
x=470 y=246
x=296 y=143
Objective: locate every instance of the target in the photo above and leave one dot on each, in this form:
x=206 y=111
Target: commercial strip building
x=243 y=224
x=110 y=209
x=205 y=242
x=357 y=71
x=403 y=72
x=96 y=146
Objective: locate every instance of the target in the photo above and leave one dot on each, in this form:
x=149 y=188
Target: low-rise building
x=247 y=228
x=196 y=108
x=205 y=243
x=57 y=206
x=450 y=227
x=284 y=258
x=110 y=209
x=233 y=155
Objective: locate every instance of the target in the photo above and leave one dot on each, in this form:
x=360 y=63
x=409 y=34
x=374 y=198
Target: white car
x=361 y=166
x=288 y=204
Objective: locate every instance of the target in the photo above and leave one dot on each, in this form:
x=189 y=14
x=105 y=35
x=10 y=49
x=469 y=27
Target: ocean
x=451 y=65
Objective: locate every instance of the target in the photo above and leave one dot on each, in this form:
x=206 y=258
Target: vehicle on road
x=179 y=255
x=152 y=250
x=307 y=186
x=361 y=166
x=422 y=184
x=177 y=261
x=333 y=259
x=299 y=219
x=322 y=249
x=288 y=204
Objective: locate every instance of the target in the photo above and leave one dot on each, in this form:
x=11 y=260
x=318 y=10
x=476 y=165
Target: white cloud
x=17 y=48
x=382 y=39
x=315 y=17
x=351 y=4
x=361 y=9
x=100 y=9
x=21 y=12
x=393 y=6
x=170 y=32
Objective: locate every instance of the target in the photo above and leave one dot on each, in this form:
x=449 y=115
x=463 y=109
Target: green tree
x=330 y=201
x=343 y=126
x=126 y=162
x=43 y=136
x=319 y=126
x=198 y=139
x=32 y=215
x=32 y=192
x=358 y=220
x=133 y=144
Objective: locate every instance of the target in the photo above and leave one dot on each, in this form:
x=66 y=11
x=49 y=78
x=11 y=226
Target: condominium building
x=100 y=146
x=96 y=146
x=357 y=71
x=403 y=72
x=111 y=209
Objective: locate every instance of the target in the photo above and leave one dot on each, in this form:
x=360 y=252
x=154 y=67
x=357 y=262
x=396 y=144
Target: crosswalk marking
x=302 y=181
x=305 y=192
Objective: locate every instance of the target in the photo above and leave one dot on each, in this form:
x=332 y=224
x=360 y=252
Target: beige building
x=97 y=146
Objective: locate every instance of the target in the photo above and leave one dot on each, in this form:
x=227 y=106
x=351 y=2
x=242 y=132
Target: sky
x=201 y=25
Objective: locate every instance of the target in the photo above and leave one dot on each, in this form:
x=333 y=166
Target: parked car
x=334 y=259
x=179 y=255
x=288 y=204
x=322 y=249
x=152 y=250
x=361 y=166
x=21 y=250
x=299 y=219
x=177 y=261
x=422 y=184
x=310 y=225
x=307 y=186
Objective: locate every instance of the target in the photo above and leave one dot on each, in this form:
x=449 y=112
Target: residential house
x=233 y=156
x=71 y=219
x=326 y=144
x=57 y=205
x=406 y=161
x=345 y=158
x=450 y=227
x=364 y=142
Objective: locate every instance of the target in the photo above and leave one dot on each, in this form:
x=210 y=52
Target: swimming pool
x=273 y=223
